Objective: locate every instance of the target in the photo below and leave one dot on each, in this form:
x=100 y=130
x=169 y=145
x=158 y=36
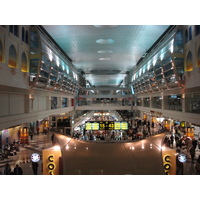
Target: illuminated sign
x=106 y=125
x=167 y=163
x=182 y=157
x=95 y=126
x=124 y=125
x=117 y=125
x=35 y=157
x=51 y=165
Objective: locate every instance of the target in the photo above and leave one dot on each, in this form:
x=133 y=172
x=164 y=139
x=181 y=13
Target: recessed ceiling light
x=105 y=41
x=104 y=58
x=105 y=26
x=105 y=51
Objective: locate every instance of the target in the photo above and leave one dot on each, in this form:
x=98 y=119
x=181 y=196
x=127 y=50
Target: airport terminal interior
x=99 y=99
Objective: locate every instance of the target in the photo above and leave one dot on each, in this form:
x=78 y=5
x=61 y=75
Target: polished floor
x=44 y=141
x=23 y=157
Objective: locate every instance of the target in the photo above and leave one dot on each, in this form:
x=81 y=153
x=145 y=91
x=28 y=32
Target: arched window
x=12 y=62
x=16 y=32
x=197 y=29
x=189 y=66
x=190 y=33
x=14 y=29
x=198 y=57
x=26 y=39
x=24 y=67
x=23 y=34
x=1 y=52
x=186 y=36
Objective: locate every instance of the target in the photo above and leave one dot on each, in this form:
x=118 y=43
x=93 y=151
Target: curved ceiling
x=105 y=48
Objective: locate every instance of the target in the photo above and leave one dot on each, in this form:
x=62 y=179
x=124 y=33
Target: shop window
x=190 y=33
x=26 y=37
x=12 y=62
x=1 y=52
x=186 y=36
x=24 y=67
x=189 y=66
x=197 y=29
x=23 y=34
x=198 y=55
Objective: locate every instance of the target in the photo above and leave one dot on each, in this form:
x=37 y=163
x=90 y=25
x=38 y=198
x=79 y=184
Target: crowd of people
x=183 y=144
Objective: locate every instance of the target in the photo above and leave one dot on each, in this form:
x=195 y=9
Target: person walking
x=7 y=169
x=192 y=153
x=35 y=167
x=197 y=166
x=172 y=140
x=38 y=130
x=18 y=170
x=179 y=167
x=194 y=143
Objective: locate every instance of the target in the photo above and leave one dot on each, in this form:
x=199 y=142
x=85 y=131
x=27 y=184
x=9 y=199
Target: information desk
x=106 y=125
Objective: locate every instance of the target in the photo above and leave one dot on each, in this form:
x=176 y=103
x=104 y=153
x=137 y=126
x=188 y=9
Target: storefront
x=9 y=135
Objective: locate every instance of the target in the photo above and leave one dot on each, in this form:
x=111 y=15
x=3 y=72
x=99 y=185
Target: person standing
x=38 y=130
x=18 y=170
x=7 y=169
x=179 y=167
x=192 y=153
x=35 y=167
x=197 y=166
x=194 y=143
x=172 y=140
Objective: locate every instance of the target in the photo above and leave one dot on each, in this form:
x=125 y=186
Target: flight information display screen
x=106 y=125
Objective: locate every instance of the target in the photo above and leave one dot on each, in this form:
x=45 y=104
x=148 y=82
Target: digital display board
x=117 y=125
x=106 y=125
x=95 y=126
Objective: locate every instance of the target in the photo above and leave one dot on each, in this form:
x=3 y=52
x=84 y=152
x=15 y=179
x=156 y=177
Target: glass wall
x=64 y=102
x=192 y=102
x=173 y=102
x=157 y=102
x=146 y=102
x=164 y=70
x=139 y=101
x=54 y=102
x=48 y=68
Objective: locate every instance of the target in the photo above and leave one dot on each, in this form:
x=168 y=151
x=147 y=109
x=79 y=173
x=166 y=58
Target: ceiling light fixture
x=104 y=58
x=105 y=41
x=105 y=26
x=105 y=51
